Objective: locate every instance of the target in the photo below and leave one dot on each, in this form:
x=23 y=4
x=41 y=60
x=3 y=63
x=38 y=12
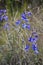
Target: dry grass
x=13 y=39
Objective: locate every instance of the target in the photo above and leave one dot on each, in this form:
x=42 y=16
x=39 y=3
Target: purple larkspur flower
x=35 y=39
x=3 y=10
x=35 y=48
x=28 y=26
x=29 y=13
x=24 y=25
x=0 y=13
x=23 y=15
x=18 y=22
x=5 y=17
x=27 y=47
x=30 y=39
x=1 y=18
x=25 y=19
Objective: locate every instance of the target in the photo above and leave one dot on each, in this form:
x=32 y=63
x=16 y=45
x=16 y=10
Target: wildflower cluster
x=24 y=25
x=3 y=15
x=24 y=18
x=34 y=39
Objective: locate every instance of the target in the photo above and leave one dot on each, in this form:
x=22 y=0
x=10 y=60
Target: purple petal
x=18 y=22
x=4 y=11
x=34 y=47
x=1 y=18
x=0 y=13
x=30 y=39
x=24 y=25
x=23 y=15
x=27 y=47
x=29 y=13
x=28 y=26
x=5 y=17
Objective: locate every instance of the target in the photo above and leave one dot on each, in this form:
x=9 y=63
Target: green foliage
x=3 y=38
x=8 y=57
x=1 y=56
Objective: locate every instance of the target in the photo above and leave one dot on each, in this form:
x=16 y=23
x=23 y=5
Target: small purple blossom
x=0 y=18
x=3 y=11
x=29 y=13
x=18 y=22
x=30 y=39
x=24 y=25
x=27 y=47
x=5 y=17
x=0 y=13
x=25 y=19
x=23 y=15
x=33 y=40
x=28 y=26
x=34 y=46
